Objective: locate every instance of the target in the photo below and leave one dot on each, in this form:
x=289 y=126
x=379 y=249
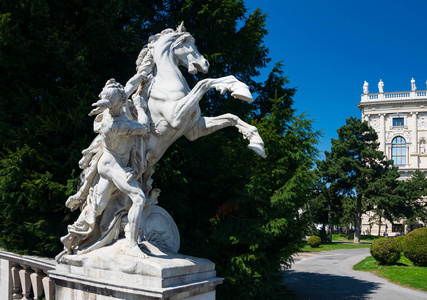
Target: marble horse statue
x=136 y=124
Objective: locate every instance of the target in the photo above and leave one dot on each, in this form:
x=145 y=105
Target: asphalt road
x=329 y=275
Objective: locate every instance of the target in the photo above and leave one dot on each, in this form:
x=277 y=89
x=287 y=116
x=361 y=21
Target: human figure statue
x=422 y=146
x=115 y=143
x=366 y=87
x=413 y=86
x=381 y=86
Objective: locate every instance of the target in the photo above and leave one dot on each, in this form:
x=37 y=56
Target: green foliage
x=401 y=241
x=356 y=176
x=262 y=226
x=416 y=245
x=323 y=236
x=30 y=225
x=412 y=207
x=314 y=241
x=239 y=210
x=386 y=251
x=328 y=197
x=403 y=273
x=55 y=56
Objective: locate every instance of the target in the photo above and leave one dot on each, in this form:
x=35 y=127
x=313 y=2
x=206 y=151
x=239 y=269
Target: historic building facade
x=400 y=119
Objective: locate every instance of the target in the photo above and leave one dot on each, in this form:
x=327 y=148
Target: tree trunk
x=329 y=222
x=379 y=226
x=310 y=213
x=358 y=219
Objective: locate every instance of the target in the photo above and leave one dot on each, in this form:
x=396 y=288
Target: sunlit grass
x=342 y=237
x=403 y=273
x=334 y=246
x=341 y=242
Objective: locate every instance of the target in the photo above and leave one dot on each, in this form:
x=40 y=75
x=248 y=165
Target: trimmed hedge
x=401 y=241
x=416 y=246
x=386 y=251
x=314 y=241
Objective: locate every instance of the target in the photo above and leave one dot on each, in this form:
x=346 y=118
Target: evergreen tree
x=413 y=206
x=359 y=168
x=241 y=211
x=383 y=197
x=55 y=57
x=329 y=190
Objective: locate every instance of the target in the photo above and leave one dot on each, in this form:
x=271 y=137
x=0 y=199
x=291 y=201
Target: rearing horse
x=163 y=103
x=172 y=107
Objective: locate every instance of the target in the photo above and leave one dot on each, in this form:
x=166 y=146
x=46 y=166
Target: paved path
x=329 y=275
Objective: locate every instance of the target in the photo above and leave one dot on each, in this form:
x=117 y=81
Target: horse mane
x=145 y=62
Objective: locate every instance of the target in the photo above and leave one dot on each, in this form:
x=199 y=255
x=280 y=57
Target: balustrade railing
x=25 y=277
x=394 y=95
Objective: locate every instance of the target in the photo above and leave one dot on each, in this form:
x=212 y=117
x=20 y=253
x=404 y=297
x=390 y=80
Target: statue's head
x=113 y=91
x=113 y=94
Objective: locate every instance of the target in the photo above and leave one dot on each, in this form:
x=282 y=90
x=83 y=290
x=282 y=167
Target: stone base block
x=108 y=273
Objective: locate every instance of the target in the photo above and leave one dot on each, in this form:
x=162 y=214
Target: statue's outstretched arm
x=133 y=84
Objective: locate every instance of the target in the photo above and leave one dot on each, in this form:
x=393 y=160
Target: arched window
x=398 y=150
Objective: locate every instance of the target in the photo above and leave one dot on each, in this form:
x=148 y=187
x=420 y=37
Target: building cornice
x=392 y=102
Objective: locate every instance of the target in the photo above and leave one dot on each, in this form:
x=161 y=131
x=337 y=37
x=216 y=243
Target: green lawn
x=341 y=242
x=334 y=246
x=343 y=238
x=404 y=273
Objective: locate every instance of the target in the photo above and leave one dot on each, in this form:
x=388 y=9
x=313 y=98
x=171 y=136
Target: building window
x=397 y=228
x=398 y=150
x=398 y=122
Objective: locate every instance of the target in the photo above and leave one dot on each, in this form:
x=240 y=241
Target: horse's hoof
x=258 y=148
x=241 y=91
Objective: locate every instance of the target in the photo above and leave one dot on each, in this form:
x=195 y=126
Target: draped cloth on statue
x=90 y=231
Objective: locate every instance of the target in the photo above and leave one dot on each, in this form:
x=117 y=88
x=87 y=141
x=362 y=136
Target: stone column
x=414 y=160
x=381 y=134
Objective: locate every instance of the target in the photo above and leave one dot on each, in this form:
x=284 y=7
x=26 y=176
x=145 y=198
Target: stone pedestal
x=108 y=273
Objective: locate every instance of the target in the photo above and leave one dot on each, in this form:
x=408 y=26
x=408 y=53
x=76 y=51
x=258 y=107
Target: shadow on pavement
x=325 y=286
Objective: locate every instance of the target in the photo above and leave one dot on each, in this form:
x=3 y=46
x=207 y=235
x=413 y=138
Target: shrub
x=401 y=241
x=386 y=251
x=416 y=247
x=314 y=241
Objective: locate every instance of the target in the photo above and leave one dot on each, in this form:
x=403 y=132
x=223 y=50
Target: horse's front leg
x=188 y=104
x=207 y=125
x=238 y=89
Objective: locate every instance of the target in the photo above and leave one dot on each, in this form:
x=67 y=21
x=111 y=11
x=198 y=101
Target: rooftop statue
x=381 y=86
x=413 y=86
x=136 y=124
x=366 y=87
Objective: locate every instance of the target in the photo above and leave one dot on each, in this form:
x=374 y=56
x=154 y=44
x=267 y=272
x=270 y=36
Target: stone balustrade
x=25 y=277
x=411 y=95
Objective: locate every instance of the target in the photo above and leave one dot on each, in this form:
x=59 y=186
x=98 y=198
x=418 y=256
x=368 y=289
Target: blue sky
x=330 y=47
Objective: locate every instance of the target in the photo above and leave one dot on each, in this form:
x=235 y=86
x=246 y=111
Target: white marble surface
x=136 y=124
x=110 y=271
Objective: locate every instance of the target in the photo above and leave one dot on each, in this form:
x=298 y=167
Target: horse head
x=187 y=54
x=177 y=42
